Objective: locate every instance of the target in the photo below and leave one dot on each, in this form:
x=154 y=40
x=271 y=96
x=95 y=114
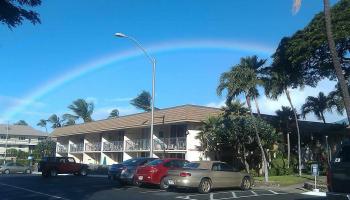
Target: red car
x=155 y=172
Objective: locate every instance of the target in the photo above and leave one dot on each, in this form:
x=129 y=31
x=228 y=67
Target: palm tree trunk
x=323 y=119
x=288 y=144
x=335 y=58
x=257 y=106
x=258 y=139
x=297 y=125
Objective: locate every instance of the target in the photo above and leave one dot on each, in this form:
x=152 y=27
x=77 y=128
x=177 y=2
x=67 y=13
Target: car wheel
x=246 y=183
x=7 y=171
x=204 y=186
x=164 y=184
x=83 y=172
x=53 y=172
x=28 y=171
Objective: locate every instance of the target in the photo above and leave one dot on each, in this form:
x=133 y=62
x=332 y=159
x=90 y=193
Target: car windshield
x=191 y=165
x=155 y=162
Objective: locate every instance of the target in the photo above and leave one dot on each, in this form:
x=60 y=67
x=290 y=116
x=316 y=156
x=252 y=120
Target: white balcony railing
x=137 y=145
x=62 y=148
x=94 y=146
x=113 y=146
x=175 y=143
x=76 y=148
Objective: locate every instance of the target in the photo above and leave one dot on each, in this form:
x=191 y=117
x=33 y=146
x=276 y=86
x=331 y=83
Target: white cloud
x=216 y=104
x=92 y=99
x=103 y=113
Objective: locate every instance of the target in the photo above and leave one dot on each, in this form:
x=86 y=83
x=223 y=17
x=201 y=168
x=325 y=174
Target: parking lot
x=21 y=186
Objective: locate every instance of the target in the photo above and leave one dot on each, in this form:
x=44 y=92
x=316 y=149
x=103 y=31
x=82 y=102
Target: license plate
x=171 y=182
x=140 y=178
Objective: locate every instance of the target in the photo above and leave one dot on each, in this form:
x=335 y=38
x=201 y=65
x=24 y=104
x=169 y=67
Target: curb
x=97 y=176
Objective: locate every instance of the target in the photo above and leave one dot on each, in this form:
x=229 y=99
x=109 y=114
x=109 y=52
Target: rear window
x=155 y=162
x=191 y=165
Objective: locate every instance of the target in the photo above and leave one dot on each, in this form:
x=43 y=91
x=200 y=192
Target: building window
x=41 y=138
x=3 y=137
x=178 y=131
x=22 y=138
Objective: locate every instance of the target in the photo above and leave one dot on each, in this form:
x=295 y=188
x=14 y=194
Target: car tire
x=204 y=186
x=45 y=174
x=136 y=182
x=83 y=172
x=246 y=183
x=28 y=171
x=53 y=172
x=164 y=184
x=7 y=171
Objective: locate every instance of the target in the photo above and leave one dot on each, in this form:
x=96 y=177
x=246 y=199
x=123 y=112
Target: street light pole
x=327 y=146
x=153 y=61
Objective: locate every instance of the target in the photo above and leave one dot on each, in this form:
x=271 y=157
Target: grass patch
x=291 y=179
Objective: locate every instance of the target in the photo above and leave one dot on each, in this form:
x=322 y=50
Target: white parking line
x=32 y=191
x=254 y=193
x=235 y=195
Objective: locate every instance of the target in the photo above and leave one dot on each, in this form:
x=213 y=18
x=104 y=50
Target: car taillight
x=185 y=174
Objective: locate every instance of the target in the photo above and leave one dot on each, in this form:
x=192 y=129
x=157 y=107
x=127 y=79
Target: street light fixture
x=153 y=61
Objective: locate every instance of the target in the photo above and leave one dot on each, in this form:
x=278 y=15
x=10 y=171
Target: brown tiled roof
x=20 y=130
x=185 y=113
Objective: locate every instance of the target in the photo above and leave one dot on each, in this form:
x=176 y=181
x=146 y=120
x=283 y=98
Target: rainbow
x=154 y=49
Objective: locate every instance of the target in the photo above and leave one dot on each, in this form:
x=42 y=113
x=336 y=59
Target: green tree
x=284 y=116
x=336 y=99
x=82 y=109
x=317 y=105
x=281 y=76
x=68 y=119
x=142 y=101
x=322 y=47
x=55 y=121
x=114 y=113
x=45 y=148
x=21 y=123
x=13 y=12
x=43 y=123
x=241 y=80
x=210 y=135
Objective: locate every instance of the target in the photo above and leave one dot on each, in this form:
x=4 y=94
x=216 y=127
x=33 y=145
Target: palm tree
x=142 y=101
x=281 y=76
x=253 y=62
x=242 y=80
x=334 y=54
x=21 y=123
x=55 y=121
x=82 y=109
x=317 y=105
x=285 y=116
x=114 y=113
x=336 y=99
x=43 y=123
x=69 y=119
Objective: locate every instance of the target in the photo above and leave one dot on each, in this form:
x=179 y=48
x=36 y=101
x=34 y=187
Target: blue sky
x=191 y=40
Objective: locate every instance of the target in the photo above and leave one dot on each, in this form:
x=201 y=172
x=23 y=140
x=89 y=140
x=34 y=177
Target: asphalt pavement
x=20 y=186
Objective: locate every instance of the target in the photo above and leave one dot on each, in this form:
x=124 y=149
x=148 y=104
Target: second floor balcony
x=137 y=145
x=113 y=146
x=76 y=148
x=95 y=146
x=174 y=143
x=62 y=148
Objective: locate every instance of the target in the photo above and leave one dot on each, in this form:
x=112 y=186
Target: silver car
x=14 y=168
x=206 y=175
